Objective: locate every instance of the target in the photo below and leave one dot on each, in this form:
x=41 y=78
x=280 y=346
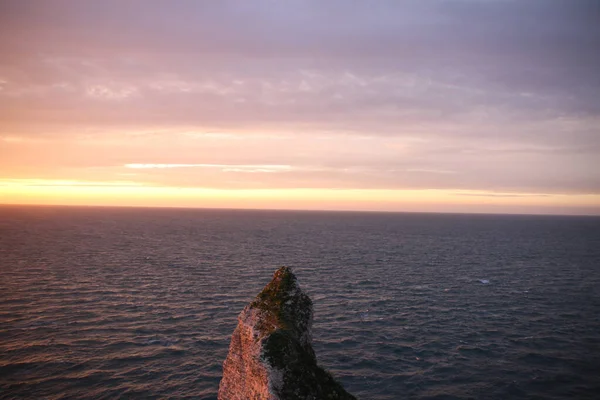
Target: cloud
x=510 y=195
x=349 y=64
x=496 y=95
x=223 y=167
x=66 y=183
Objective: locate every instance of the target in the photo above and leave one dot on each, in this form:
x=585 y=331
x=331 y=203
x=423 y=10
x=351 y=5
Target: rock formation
x=270 y=355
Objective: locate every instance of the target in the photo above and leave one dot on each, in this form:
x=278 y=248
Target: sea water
x=141 y=303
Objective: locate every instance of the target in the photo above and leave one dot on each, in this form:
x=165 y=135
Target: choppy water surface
x=141 y=303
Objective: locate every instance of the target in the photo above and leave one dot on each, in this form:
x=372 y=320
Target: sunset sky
x=422 y=105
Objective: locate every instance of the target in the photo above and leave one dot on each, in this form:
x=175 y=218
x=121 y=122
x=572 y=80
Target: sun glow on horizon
x=125 y=193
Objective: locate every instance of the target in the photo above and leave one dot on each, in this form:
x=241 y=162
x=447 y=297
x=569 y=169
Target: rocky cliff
x=270 y=355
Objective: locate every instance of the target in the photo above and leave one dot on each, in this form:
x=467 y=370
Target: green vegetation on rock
x=285 y=322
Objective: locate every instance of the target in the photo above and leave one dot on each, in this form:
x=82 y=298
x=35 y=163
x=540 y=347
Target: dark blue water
x=141 y=303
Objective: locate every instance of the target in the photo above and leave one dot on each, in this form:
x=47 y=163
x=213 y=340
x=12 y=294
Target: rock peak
x=283 y=305
x=271 y=355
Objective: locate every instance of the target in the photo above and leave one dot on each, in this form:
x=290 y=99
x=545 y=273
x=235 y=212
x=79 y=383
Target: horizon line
x=33 y=205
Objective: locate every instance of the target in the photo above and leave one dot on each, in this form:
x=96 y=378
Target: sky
x=419 y=105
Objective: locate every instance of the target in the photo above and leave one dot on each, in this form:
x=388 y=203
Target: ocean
x=141 y=303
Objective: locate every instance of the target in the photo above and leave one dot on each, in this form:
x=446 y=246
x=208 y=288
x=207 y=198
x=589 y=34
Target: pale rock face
x=244 y=377
x=270 y=355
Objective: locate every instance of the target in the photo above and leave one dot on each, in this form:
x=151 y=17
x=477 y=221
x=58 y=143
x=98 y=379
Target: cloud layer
x=495 y=95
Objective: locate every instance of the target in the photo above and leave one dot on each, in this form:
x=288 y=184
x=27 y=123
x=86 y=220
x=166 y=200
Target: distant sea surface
x=141 y=303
